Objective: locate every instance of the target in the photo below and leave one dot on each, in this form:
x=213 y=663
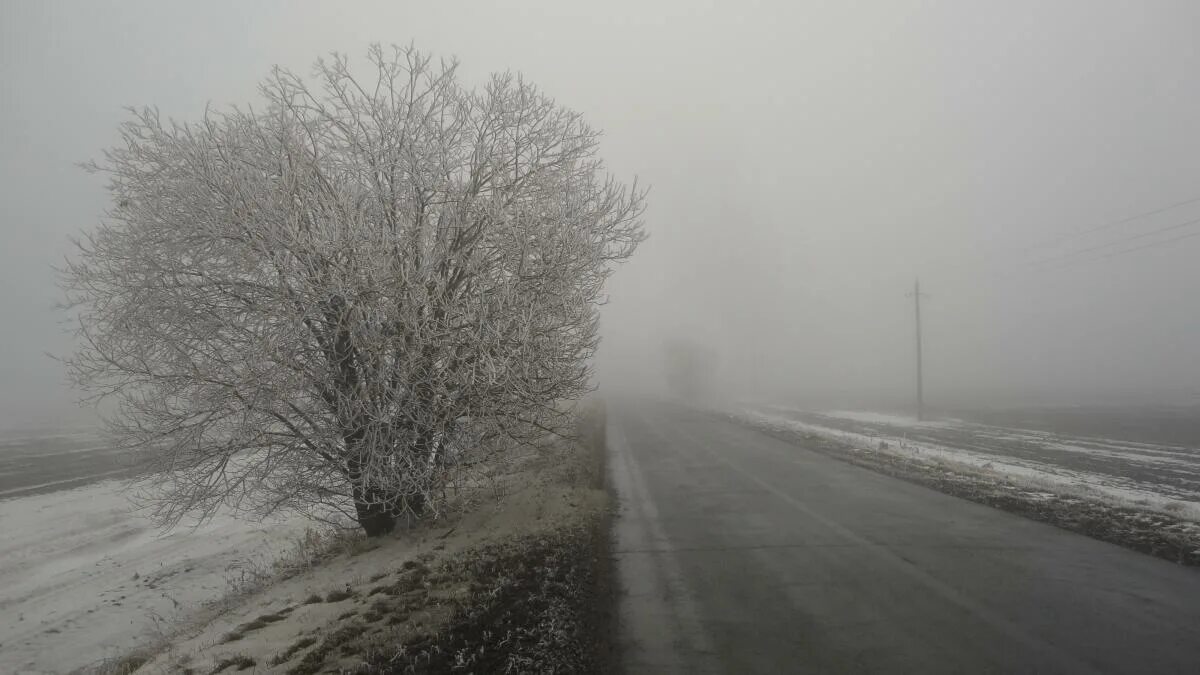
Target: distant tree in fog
x=336 y=297
x=689 y=369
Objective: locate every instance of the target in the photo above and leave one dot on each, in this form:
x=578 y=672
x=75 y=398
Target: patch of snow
x=84 y=576
x=1027 y=473
x=883 y=418
x=1118 y=451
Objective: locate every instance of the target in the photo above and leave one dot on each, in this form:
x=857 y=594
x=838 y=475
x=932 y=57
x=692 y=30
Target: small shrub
x=122 y=665
x=287 y=655
x=315 y=659
x=239 y=662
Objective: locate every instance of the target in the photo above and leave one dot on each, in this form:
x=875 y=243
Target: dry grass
x=126 y=664
x=538 y=602
x=296 y=647
x=528 y=608
x=235 y=662
x=339 y=595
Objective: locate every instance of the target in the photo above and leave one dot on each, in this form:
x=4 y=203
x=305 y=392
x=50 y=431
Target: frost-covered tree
x=331 y=298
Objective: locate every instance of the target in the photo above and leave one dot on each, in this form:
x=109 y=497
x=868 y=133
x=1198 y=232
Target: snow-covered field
x=1147 y=475
x=83 y=576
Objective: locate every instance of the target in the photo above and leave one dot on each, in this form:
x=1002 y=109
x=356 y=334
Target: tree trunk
x=379 y=508
x=375 y=518
x=379 y=516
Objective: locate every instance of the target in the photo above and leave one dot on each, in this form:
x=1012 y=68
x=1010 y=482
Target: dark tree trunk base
x=378 y=518
x=375 y=519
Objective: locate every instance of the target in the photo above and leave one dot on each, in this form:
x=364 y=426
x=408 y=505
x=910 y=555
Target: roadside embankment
x=514 y=582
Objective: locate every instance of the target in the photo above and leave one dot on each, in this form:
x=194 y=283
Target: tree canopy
x=335 y=297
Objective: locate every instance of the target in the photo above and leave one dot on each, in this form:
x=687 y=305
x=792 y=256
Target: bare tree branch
x=342 y=295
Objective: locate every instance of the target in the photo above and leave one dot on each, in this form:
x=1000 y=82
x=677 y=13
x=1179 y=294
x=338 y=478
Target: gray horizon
x=807 y=162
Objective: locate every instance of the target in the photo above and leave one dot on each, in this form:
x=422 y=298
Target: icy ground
x=83 y=576
x=1161 y=477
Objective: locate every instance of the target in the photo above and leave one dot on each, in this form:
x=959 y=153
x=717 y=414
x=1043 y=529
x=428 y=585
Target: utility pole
x=916 y=295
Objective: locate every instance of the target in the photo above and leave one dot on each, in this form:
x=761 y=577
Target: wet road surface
x=741 y=553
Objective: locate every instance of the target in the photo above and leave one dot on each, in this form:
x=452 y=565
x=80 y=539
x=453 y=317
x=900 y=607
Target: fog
x=807 y=162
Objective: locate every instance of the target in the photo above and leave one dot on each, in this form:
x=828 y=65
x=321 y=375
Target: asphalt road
x=740 y=553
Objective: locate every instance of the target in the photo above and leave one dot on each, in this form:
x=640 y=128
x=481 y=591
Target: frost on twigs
x=349 y=295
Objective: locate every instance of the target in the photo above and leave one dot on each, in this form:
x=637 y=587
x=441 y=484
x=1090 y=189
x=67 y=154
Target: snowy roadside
x=83 y=575
x=509 y=582
x=1136 y=517
x=1028 y=473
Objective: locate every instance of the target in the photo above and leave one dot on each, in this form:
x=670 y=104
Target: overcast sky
x=807 y=162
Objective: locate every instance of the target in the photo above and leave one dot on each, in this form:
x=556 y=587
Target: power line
x=1054 y=241
x=1153 y=244
x=1118 y=242
x=1117 y=254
